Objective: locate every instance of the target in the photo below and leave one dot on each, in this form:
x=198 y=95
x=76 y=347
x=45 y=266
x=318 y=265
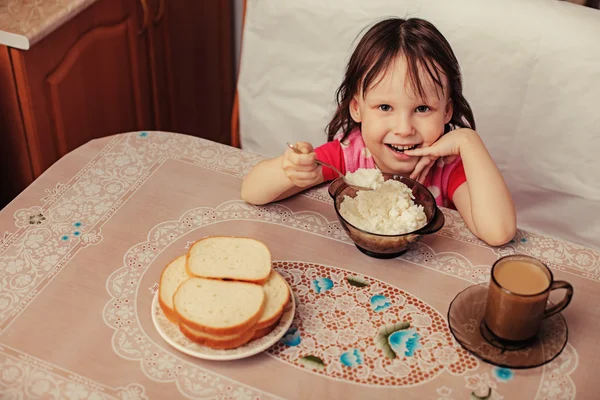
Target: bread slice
x=235 y=258
x=170 y=279
x=265 y=331
x=218 y=307
x=278 y=294
x=223 y=342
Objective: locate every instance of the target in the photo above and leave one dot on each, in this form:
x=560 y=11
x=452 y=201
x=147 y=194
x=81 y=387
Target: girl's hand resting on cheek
x=301 y=169
x=447 y=146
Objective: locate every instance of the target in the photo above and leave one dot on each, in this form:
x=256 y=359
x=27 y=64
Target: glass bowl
x=388 y=246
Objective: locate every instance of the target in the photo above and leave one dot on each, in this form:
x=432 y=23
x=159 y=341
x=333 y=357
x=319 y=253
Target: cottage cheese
x=389 y=209
x=365 y=177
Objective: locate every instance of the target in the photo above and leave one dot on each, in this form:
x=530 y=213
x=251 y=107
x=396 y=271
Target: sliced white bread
x=278 y=295
x=170 y=279
x=258 y=333
x=222 y=342
x=235 y=258
x=218 y=307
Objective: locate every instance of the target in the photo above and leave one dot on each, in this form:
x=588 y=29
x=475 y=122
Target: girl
x=401 y=109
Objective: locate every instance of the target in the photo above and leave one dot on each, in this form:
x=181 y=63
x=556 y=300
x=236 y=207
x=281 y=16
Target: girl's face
x=394 y=117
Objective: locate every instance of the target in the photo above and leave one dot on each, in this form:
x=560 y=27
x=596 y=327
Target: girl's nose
x=403 y=126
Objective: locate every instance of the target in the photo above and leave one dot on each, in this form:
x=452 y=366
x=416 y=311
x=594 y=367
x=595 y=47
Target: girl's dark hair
x=423 y=46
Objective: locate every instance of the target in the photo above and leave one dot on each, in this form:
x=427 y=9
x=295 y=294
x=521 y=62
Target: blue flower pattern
x=352 y=358
x=503 y=374
x=321 y=285
x=405 y=342
x=76 y=233
x=291 y=337
x=144 y=134
x=380 y=303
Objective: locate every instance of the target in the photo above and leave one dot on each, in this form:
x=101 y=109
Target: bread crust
x=270 y=321
x=260 y=332
x=227 y=344
x=168 y=311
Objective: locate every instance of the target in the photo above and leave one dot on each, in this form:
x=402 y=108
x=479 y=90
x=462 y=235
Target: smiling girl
x=401 y=109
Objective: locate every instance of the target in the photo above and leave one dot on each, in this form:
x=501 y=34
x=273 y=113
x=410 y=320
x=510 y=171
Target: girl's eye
x=422 y=109
x=385 y=107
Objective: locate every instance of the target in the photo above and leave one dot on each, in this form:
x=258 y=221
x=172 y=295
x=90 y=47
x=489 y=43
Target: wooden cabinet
x=88 y=79
x=193 y=59
x=118 y=66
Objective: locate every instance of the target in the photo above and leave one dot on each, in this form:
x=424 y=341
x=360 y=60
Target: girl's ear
x=355 y=110
x=449 y=111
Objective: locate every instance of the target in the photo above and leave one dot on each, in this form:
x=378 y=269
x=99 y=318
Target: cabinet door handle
x=144 y=4
x=160 y=12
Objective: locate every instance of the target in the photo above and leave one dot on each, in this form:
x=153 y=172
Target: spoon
x=355 y=187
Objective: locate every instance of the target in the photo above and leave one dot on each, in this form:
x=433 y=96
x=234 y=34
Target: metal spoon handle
x=317 y=161
x=332 y=167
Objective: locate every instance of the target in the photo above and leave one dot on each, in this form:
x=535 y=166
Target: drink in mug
x=518 y=295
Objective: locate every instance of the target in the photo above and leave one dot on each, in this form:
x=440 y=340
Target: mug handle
x=564 y=302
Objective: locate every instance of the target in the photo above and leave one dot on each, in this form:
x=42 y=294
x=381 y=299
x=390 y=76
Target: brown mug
x=518 y=296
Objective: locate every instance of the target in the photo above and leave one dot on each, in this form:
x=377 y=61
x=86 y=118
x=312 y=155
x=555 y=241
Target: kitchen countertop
x=25 y=22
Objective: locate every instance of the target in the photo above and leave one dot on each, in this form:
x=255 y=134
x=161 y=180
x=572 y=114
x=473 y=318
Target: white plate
x=172 y=335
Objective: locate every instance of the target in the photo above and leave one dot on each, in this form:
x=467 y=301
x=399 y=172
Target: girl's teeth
x=402 y=148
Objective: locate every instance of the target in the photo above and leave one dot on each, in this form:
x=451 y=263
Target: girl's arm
x=484 y=201
x=278 y=178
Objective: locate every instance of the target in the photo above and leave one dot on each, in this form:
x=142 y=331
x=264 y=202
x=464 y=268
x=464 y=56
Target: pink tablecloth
x=82 y=248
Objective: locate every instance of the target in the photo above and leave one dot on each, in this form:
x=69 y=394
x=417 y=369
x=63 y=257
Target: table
x=82 y=248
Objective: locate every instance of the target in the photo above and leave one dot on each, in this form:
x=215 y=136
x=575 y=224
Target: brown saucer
x=465 y=318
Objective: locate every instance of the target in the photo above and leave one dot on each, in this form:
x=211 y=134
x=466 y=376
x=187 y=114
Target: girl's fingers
x=303 y=179
x=421 y=151
x=306 y=175
x=421 y=164
x=304 y=147
x=434 y=150
x=301 y=169
x=305 y=168
x=296 y=160
x=306 y=159
x=301 y=159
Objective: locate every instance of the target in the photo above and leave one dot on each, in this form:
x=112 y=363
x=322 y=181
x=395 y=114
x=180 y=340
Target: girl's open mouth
x=400 y=149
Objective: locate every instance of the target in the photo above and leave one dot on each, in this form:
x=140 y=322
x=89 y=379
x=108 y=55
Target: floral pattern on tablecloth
x=339 y=315
x=556 y=382
x=27 y=377
x=130 y=340
x=557 y=254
